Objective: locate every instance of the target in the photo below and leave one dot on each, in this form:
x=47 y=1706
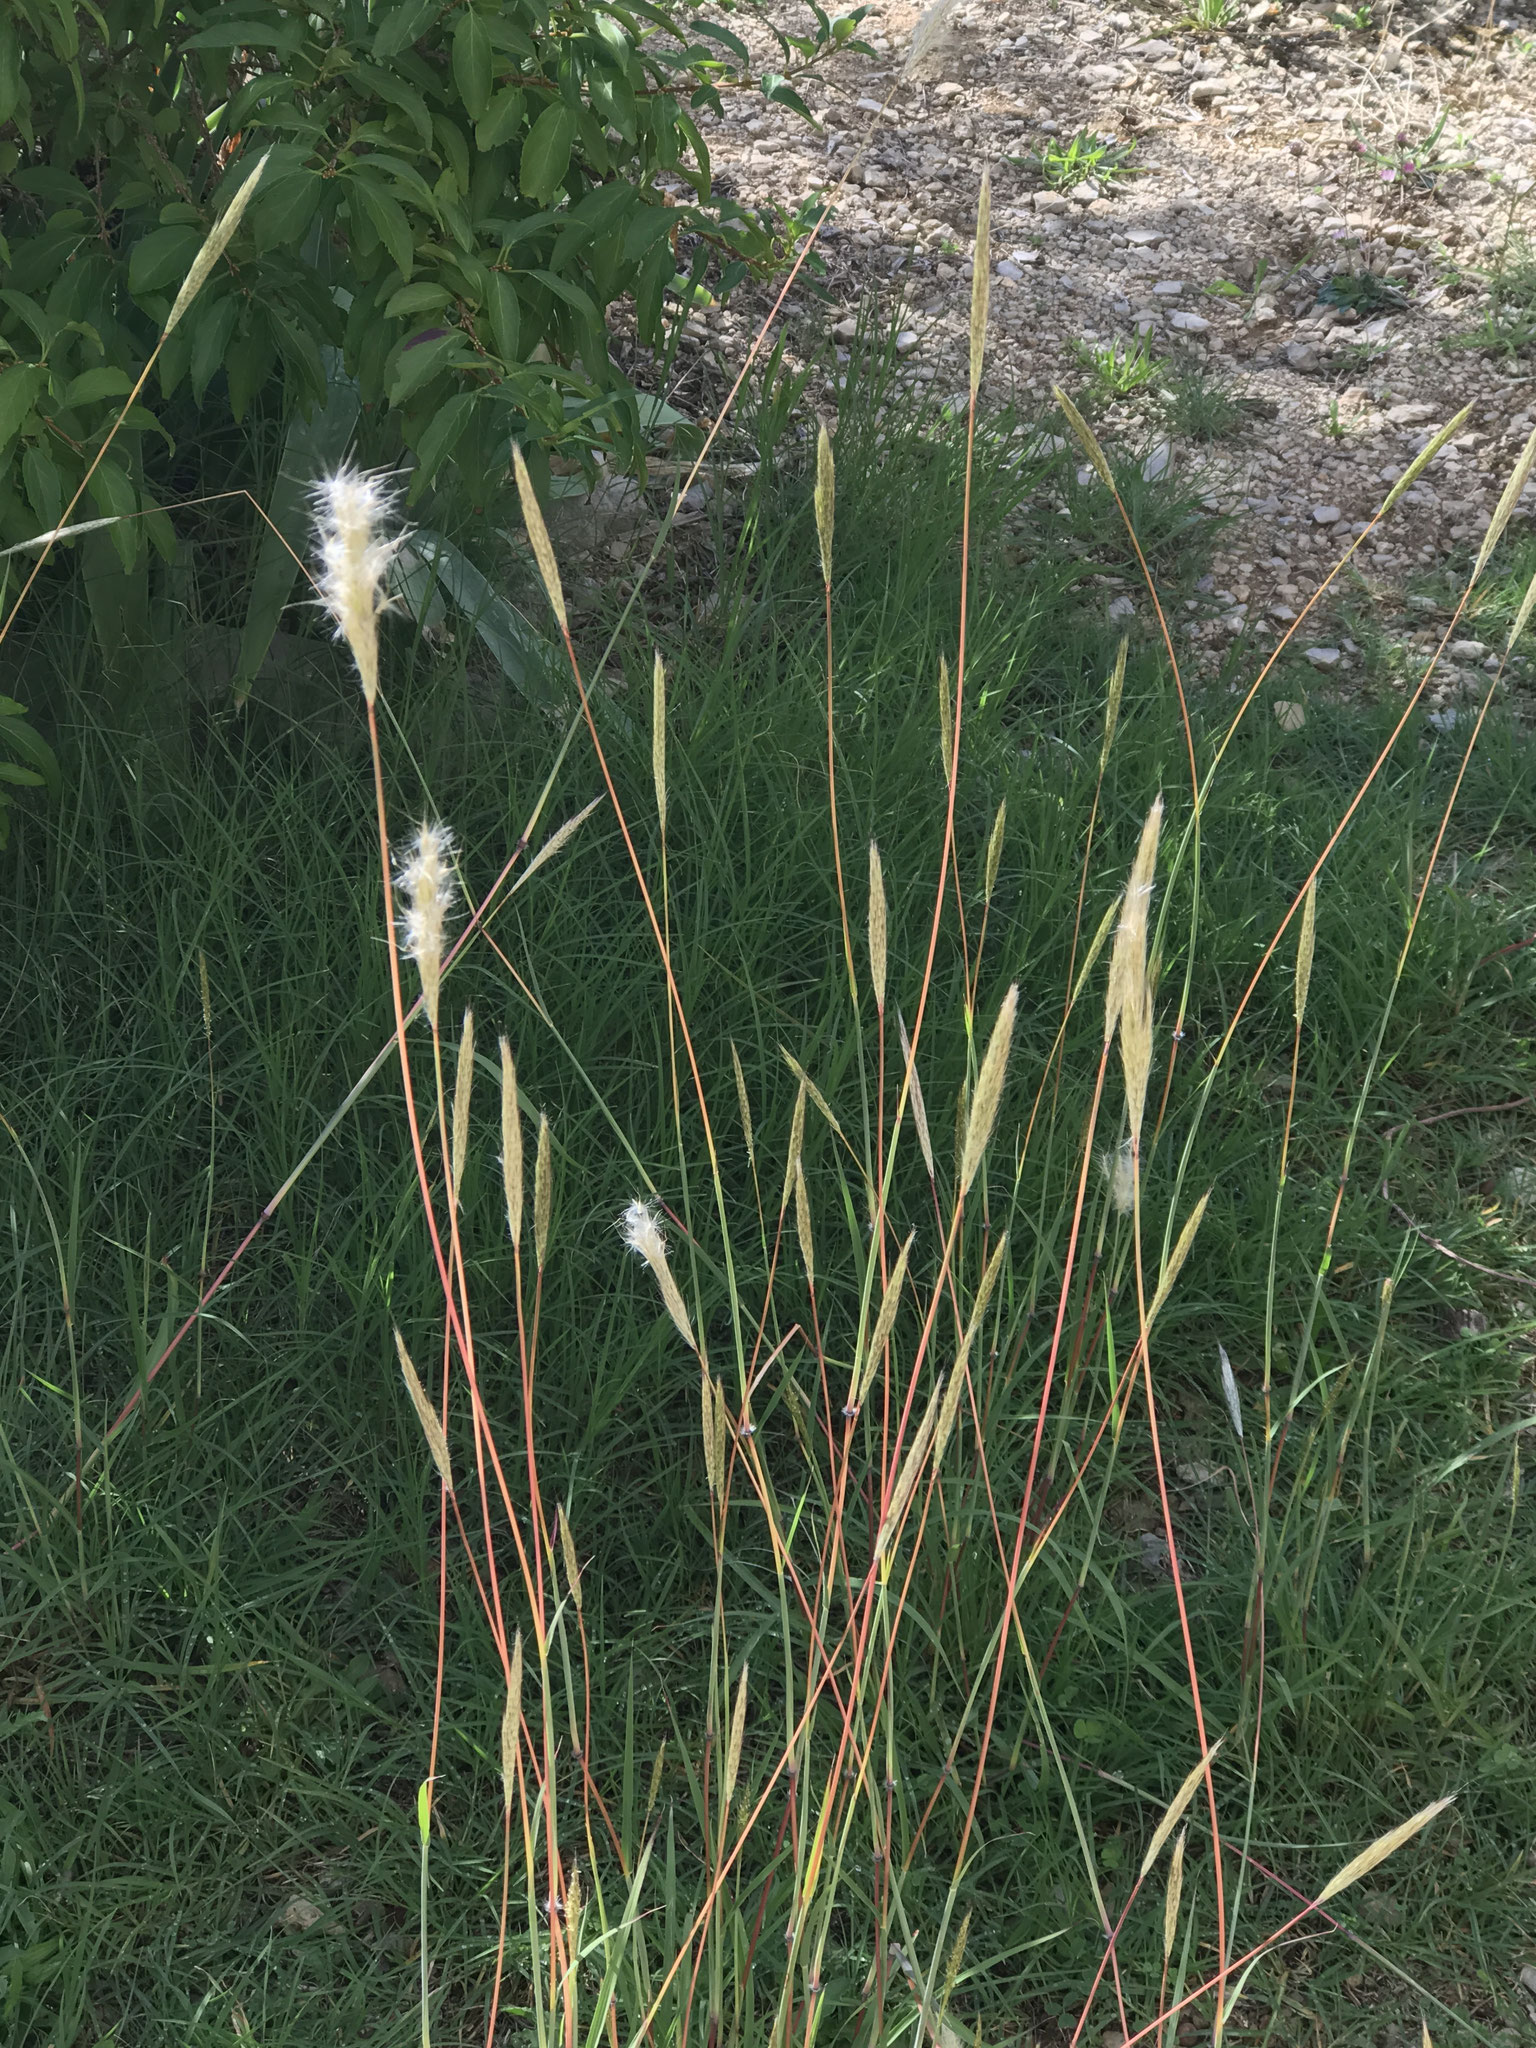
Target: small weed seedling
x=1117 y=369
x=1363 y=292
x=1508 y=325
x=1210 y=15
x=1197 y=409
x=1417 y=166
x=1063 y=163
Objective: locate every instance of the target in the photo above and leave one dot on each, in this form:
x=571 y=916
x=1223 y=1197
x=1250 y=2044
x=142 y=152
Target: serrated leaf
x=547 y=153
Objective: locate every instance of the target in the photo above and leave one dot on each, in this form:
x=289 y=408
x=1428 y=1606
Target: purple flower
x=1388 y=175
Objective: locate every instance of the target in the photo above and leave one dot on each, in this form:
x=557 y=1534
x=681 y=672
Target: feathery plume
x=463 y=1082
x=911 y=1471
x=217 y=242
x=426 y=1415
x=351 y=509
x=877 y=932
x=707 y=1416
x=1119 y=1169
x=1175 y=1811
x=989 y=1090
x=1229 y=1392
x=425 y=881
x=1129 y=1001
x=511 y=1147
x=643 y=1235
x=538 y=537
x=825 y=496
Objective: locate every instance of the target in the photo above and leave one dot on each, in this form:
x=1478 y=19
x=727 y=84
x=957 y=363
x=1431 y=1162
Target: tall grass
x=1035 y=1510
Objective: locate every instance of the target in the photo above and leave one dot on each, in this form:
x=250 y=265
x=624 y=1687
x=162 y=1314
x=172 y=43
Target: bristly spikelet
x=995 y=850
x=946 y=715
x=707 y=1418
x=1175 y=1809
x=738 y=1729
x=1384 y=1846
x=642 y=1234
x=538 y=537
x=1112 y=707
x=543 y=1191
x=1119 y=1169
x=426 y=1415
x=885 y=1322
x=981 y=280
x=743 y=1105
x=1172 y=1897
x=568 y=1554
x=1129 y=1002
x=659 y=738
x=796 y=1144
x=826 y=496
x=1304 y=949
x=511 y=1722
x=989 y=1090
x=351 y=510
x=511 y=1147
x=919 y=1112
x=463 y=1081
x=426 y=883
x=217 y=242
x=803 y=1225
x=1177 y=1257
x=877 y=930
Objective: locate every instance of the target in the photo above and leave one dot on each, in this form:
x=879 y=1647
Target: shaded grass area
x=222 y=1655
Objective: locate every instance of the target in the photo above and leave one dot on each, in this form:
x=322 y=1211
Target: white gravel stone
x=1189 y=323
x=1325 y=657
x=1325 y=515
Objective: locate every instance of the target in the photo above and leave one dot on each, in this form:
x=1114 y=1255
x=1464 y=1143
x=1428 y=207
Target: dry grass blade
x=543 y=1192
x=217 y=242
x=885 y=1322
x=1304 y=949
x=568 y=1554
x=538 y=535
x=1422 y=460
x=981 y=280
x=826 y=498
x=1384 y=1846
x=1519 y=477
x=919 y=1112
x=463 y=1083
x=1174 y=1814
x=1112 y=707
x=1086 y=439
x=989 y=1090
x=511 y=1722
x=743 y=1105
x=1171 y=1898
x=511 y=1147
x=910 y=1473
x=1177 y=1257
x=877 y=931
x=431 y=1428
x=659 y=738
x=803 y=1224
x=995 y=850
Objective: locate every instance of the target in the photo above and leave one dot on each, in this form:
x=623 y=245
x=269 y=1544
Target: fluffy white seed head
x=643 y=1235
x=352 y=510
x=426 y=883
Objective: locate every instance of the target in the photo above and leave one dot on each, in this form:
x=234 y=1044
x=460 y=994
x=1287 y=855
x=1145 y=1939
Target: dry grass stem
x=1177 y=1256
x=543 y=1192
x=659 y=738
x=826 y=497
x=981 y=279
x=885 y=1322
x=1175 y=1811
x=217 y=242
x=1384 y=1846
x=1304 y=950
x=643 y=1235
x=511 y=1722
x=511 y=1147
x=989 y=1090
x=463 y=1084
x=538 y=535
x=995 y=850
x=877 y=931
x=431 y=1428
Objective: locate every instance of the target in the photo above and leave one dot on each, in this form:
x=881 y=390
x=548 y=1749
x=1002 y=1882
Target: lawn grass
x=223 y=1646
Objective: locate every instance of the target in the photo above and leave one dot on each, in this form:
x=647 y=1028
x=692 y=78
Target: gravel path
x=1309 y=307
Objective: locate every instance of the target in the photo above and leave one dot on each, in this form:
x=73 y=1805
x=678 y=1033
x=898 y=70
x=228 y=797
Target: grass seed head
x=738 y=1729
x=919 y=1112
x=803 y=1225
x=877 y=930
x=538 y=537
x=426 y=1415
x=1119 y=1169
x=989 y=1090
x=543 y=1191
x=796 y=1143
x=643 y=1235
x=511 y=1721
x=463 y=1082
x=1304 y=949
x=910 y=1473
x=1423 y=459
x=352 y=508
x=946 y=716
x=568 y=1554
x=995 y=850
x=427 y=886
x=217 y=242
x=743 y=1105
x=1514 y=490
x=511 y=1147
x=1175 y=1811
x=826 y=497
x=659 y=738
x=1112 y=707
x=1086 y=439
x=981 y=279
x=885 y=1322
x=1384 y=1846
x=1177 y=1257
x=1229 y=1392
x=707 y=1417
x=1172 y=1896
